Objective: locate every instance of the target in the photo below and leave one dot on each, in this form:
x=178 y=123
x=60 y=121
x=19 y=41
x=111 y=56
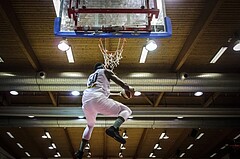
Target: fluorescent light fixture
x=224 y=146
x=122 y=147
x=190 y=146
x=50 y=147
x=1 y=60
x=137 y=93
x=70 y=55
x=151 y=45
x=53 y=145
x=143 y=55
x=120 y=154
x=214 y=154
x=87 y=147
x=56 y=4
x=198 y=94
x=199 y=136
x=236 y=137
x=27 y=154
x=31 y=116
x=152 y=155
x=125 y=136
x=75 y=93
x=182 y=154
x=180 y=117
x=218 y=55
x=237 y=46
x=14 y=93
x=81 y=117
x=162 y=135
x=63 y=45
x=19 y=145
x=157 y=147
x=48 y=134
x=10 y=135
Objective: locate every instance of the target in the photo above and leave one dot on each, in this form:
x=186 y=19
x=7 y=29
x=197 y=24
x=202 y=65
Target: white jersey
x=98 y=82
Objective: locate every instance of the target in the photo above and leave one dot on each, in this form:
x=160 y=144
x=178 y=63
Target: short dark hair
x=98 y=66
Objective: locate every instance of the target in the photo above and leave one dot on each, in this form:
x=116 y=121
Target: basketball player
x=96 y=100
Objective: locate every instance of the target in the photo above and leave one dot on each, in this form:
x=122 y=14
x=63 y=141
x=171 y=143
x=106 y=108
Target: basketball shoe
x=79 y=154
x=113 y=132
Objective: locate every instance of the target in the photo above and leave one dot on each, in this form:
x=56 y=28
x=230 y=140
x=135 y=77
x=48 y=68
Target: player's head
x=99 y=66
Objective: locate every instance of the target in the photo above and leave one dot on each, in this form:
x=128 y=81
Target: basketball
x=127 y=94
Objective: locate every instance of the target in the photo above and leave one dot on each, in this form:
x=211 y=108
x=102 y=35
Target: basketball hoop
x=112 y=58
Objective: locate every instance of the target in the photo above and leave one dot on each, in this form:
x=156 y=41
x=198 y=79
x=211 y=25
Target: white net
x=112 y=58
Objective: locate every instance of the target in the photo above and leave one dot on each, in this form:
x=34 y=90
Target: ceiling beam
x=7 y=12
x=138 y=112
x=32 y=140
x=136 y=123
x=54 y=102
x=211 y=99
x=71 y=149
x=205 y=18
x=158 y=100
x=140 y=144
x=175 y=146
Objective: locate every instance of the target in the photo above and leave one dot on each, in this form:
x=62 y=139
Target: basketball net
x=112 y=58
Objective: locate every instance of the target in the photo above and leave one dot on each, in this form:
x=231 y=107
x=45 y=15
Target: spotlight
x=151 y=45
x=237 y=46
x=63 y=45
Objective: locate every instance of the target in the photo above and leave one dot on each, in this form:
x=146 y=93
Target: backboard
x=112 y=19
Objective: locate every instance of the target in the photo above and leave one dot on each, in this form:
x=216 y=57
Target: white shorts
x=97 y=103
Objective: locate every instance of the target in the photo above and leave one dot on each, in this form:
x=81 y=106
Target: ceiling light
x=214 y=154
x=151 y=45
x=31 y=116
x=14 y=93
x=190 y=146
x=143 y=55
x=46 y=135
x=137 y=93
x=1 y=60
x=89 y=154
x=10 y=135
x=63 y=45
x=53 y=145
x=75 y=93
x=157 y=147
x=87 y=147
x=122 y=147
x=197 y=94
x=199 y=136
x=236 y=137
x=237 y=46
x=163 y=135
x=218 y=55
x=70 y=55
x=120 y=154
x=19 y=145
x=50 y=147
x=152 y=155
x=125 y=136
x=182 y=154
x=180 y=117
x=224 y=146
x=27 y=154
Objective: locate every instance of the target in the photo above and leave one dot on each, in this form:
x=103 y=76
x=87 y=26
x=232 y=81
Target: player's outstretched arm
x=110 y=75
